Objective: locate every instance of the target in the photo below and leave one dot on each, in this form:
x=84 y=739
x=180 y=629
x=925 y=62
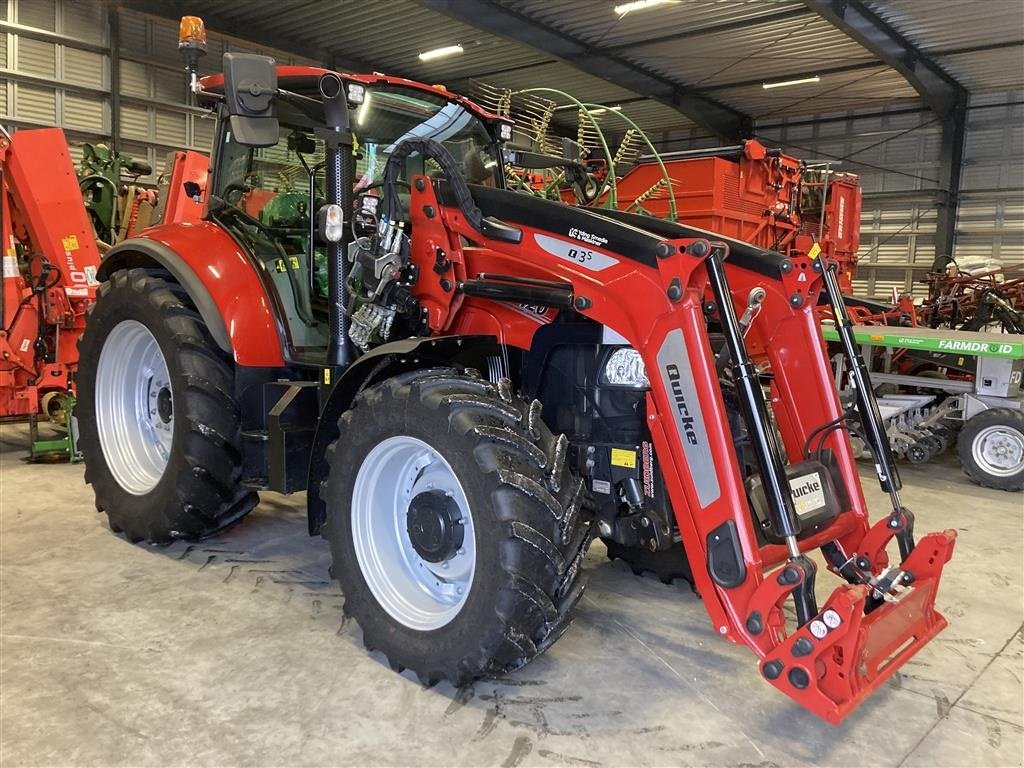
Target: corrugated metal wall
x=991 y=222
x=55 y=64
x=54 y=59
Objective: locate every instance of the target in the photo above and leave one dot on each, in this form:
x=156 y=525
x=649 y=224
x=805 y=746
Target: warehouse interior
x=234 y=648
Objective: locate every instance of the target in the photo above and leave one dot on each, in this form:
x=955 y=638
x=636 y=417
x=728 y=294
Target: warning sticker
x=70 y=243
x=327 y=375
x=622 y=457
x=10 y=266
x=24 y=345
x=813 y=252
x=294 y=260
x=601 y=486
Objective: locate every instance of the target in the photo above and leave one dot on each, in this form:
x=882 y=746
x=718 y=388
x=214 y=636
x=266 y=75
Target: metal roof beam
x=943 y=94
x=728 y=26
x=938 y=89
x=491 y=17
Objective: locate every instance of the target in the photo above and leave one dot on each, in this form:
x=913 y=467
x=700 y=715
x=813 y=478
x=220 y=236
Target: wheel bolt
x=459 y=590
x=461 y=552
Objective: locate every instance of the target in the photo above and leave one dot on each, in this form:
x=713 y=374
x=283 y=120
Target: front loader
x=471 y=384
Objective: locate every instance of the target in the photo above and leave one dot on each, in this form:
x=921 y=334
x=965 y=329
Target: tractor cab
x=269 y=196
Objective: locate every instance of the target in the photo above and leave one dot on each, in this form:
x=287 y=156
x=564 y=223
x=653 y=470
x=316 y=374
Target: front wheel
x=455 y=526
x=991 y=448
x=158 y=426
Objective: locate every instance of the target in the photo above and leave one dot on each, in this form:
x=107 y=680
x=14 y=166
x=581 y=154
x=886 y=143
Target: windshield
x=390 y=115
x=387 y=116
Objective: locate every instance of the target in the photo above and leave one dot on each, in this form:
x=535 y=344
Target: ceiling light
x=440 y=53
x=784 y=83
x=641 y=5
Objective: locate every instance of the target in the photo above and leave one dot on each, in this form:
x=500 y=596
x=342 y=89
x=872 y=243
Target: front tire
x=158 y=426
x=991 y=448
x=455 y=526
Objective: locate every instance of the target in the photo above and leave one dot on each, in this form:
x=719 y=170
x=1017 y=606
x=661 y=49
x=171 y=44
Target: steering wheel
x=235 y=188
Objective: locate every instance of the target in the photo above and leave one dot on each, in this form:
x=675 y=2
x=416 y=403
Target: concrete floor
x=232 y=652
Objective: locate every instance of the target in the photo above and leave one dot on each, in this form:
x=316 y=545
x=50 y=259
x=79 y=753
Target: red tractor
x=471 y=384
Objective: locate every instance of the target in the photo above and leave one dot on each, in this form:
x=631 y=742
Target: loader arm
x=659 y=287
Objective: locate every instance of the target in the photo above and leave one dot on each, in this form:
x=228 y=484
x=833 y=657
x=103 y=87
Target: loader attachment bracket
x=845 y=652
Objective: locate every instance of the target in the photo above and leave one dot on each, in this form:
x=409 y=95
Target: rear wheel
x=455 y=526
x=158 y=427
x=991 y=448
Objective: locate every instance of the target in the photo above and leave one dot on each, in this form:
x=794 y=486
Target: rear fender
x=220 y=279
x=382 y=363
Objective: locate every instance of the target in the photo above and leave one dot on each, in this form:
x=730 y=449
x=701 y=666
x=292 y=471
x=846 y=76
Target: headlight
x=505 y=131
x=355 y=93
x=331 y=221
x=625 y=368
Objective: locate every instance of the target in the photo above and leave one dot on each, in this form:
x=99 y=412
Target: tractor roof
x=301 y=77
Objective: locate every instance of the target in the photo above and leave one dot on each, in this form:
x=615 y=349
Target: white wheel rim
x=416 y=592
x=134 y=407
x=999 y=450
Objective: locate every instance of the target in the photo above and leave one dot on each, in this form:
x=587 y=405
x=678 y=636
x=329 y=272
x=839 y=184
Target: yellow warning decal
x=280 y=266
x=294 y=262
x=623 y=458
x=70 y=242
x=814 y=251
x=327 y=375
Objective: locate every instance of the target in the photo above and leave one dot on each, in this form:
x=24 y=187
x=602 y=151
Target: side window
x=267 y=192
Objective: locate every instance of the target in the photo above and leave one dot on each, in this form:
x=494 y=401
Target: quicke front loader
x=471 y=384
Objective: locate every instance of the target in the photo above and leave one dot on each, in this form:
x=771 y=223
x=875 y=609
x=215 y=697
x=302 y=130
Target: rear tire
x=991 y=448
x=516 y=555
x=171 y=470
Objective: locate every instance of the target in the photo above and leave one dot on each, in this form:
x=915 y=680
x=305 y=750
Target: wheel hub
x=163 y=405
x=413 y=532
x=434 y=524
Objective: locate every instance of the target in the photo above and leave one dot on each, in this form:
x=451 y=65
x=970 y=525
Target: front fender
x=382 y=363
x=220 y=279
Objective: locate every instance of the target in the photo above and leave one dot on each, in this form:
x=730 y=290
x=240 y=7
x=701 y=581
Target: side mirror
x=250 y=85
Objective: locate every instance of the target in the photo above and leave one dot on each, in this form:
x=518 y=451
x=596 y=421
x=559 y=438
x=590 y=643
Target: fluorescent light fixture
x=784 y=83
x=641 y=5
x=440 y=53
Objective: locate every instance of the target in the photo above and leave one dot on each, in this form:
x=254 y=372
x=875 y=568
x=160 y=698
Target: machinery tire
x=666 y=565
x=919 y=452
x=197 y=491
x=519 y=509
x=991 y=448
